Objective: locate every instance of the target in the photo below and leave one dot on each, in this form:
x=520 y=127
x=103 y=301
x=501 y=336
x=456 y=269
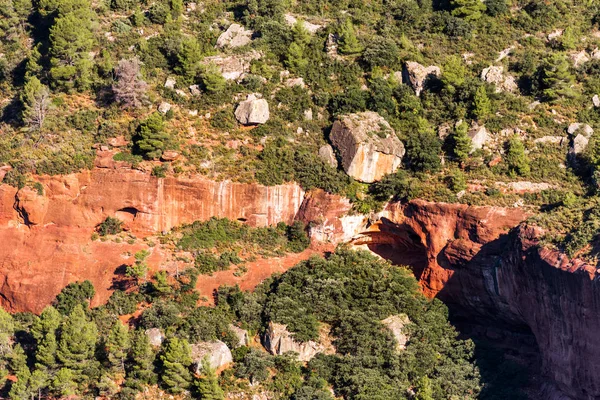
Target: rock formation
x=396 y=324
x=46 y=238
x=495 y=75
x=216 y=353
x=235 y=36
x=580 y=137
x=292 y=20
x=252 y=111
x=155 y=336
x=368 y=146
x=232 y=67
x=327 y=154
x=479 y=136
x=278 y=340
x=241 y=334
x=417 y=75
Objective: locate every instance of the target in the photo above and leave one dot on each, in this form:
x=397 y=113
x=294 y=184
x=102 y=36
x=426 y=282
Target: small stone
x=596 y=101
x=579 y=58
x=118 y=141
x=169 y=155
x=556 y=34
x=308 y=114
x=170 y=83
x=195 y=90
x=181 y=93
x=299 y=130
x=295 y=82
x=326 y=154
x=155 y=336
x=193 y=113
x=164 y=107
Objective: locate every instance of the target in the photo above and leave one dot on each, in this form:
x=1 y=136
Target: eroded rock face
x=417 y=75
x=368 y=146
x=397 y=325
x=495 y=75
x=278 y=340
x=252 y=111
x=40 y=256
x=235 y=36
x=216 y=353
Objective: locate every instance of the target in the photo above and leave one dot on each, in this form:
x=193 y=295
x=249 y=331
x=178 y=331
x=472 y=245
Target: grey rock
x=235 y=36
x=397 y=325
x=195 y=90
x=581 y=134
x=233 y=67
x=278 y=340
x=295 y=82
x=479 y=136
x=241 y=334
x=368 y=146
x=596 y=101
x=170 y=83
x=331 y=45
x=312 y=28
x=155 y=336
x=308 y=114
x=326 y=154
x=584 y=129
x=579 y=58
x=580 y=143
x=417 y=75
x=550 y=139
x=217 y=353
x=252 y=111
x=164 y=107
x=495 y=75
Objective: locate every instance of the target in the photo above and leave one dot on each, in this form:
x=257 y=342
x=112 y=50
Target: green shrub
x=110 y=226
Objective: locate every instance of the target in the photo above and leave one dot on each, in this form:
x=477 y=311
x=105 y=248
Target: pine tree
x=77 y=340
x=482 y=104
x=462 y=145
x=151 y=138
x=38 y=381
x=64 y=383
x=424 y=389
x=141 y=359
x=33 y=67
x=517 y=160
x=7 y=329
x=208 y=385
x=130 y=89
x=295 y=60
x=20 y=389
x=176 y=360
x=36 y=102
x=469 y=10
x=212 y=79
x=117 y=345
x=300 y=34
x=454 y=72
x=556 y=78
x=43 y=331
x=189 y=59
x=348 y=42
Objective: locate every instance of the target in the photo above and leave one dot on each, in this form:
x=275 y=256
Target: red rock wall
x=45 y=240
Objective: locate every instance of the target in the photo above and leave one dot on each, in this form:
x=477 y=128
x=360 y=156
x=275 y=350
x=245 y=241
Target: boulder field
x=484 y=262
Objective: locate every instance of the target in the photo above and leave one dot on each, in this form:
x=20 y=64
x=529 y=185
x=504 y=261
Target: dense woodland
x=72 y=349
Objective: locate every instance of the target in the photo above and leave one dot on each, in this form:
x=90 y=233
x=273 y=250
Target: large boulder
x=233 y=67
x=479 y=135
x=292 y=20
x=241 y=334
x=155 y=336
x=580 y=137
x=235 y=36
x=217 y=353
x=327 y=154
x=368 y=146
x=252 y=111
x=495 y=75
x=278 y=340
x=417 y=75
x=397 y=325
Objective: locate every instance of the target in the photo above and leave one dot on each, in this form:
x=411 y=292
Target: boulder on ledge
x=235 y=36
x=216 y=353
x=278 y=340
x=368 y=146
x=252 y=111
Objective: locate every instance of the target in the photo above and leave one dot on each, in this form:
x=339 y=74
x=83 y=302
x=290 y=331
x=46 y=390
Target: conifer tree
x=212 y=79
x=454 y=72
x=517 y=160
x=142 y=358
x=189 y=58
x=7 y=329
x=176 y=359
x=64 y=383
x=296 y=61
x=117 y=345
x=208 y=385
x=469 y=10
x=348 y=41
x=482 y=104
x=130 y=89
x=461 y=142
x=556 y=78
x=36 y=102
x=151 y=138
x=77 y=340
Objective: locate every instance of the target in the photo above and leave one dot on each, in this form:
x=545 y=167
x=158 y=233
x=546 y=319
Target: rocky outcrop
x=278 y=340
x=368 y=146
x=327 y=154
x=232 y=67
x=580 y=137
x=479 y=136
x=397 y=325
x=292 y=20
x=495 y=75
x=240 y=334
x=235 y=36
x=46 y=237
x=252 y=111
x=417 y=75
x=216 y=353
x=155 y=336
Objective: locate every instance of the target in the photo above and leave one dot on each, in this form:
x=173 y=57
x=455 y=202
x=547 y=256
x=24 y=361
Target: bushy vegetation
x=90 y=352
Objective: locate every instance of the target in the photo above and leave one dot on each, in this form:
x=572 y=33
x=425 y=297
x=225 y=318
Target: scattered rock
x=278 y=340
x=579 y=58
x=164 y=107
x=580 y=134
x=495 y=75
x=181 y=93
x=118 y=141
x=295 y=82
x=291 y=20
x=235 y=36
x=524 y=186
x=193 y=113
x=169 y=155
x=195 y=90
x=331 y=45
x=241 y=334
x=170 y=83
x=368 y=146
x=155 y=336
x=505 y=53
x=396 y=324
x=217 y=354
x=596 y=54
x=3 y=171
x=533 y=105
x=596 y=101
x=232 y=67
x=479 y=136
x=555 y=35
x=326 y=154
x=467 y=58
x=252 y=111
x=308 y=114
x=585 y=129
x=417 y=75
x=550 y=139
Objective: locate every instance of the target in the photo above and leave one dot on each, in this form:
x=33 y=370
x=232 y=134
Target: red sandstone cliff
x=45 y=239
